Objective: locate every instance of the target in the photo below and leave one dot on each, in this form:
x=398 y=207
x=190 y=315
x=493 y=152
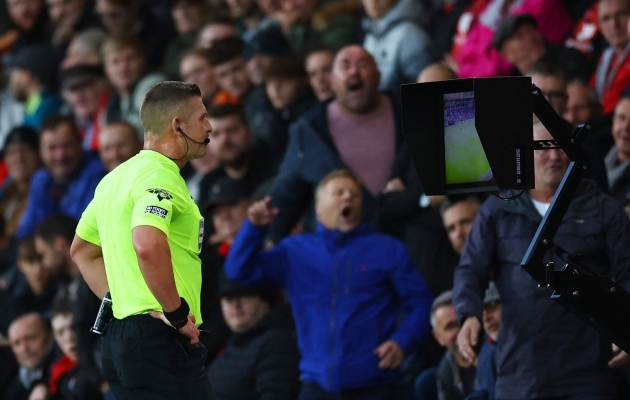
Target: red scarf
x=224 y=249
x=59 y=369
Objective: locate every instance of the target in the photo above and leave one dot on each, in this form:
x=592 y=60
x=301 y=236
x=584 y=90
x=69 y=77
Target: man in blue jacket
x=359 y=130
x=346 y=285
x=67 y=181
x=544 y=351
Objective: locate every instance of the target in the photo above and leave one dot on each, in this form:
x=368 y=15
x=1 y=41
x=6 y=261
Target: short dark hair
x=44 y=323
x=317 y=48
x=452 y=200
x=125 y=125
x=592 y=98
x=545 y=68
x=163 y=101
x=64 y=306
x=226 y=49
x=227 y=110
x=286 y=66
x=57 y=225
x=623 y=97
x=53 y=122
x=196 y=51
x=27 y=251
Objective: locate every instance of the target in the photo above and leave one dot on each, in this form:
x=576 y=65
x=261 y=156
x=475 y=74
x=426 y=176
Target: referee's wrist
x=179 y=316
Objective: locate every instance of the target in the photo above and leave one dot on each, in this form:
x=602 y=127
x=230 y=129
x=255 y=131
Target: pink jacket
x=478 y=58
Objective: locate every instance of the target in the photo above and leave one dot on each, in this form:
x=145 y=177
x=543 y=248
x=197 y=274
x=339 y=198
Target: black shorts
x=143 y=358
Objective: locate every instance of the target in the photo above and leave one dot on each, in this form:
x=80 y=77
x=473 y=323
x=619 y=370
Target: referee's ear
x=176 y=124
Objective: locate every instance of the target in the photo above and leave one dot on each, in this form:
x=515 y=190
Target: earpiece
x=205 y=141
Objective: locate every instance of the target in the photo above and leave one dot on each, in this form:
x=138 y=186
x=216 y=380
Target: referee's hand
x=189 y=330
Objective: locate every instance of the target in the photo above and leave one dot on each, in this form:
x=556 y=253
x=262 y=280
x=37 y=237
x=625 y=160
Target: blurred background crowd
x=294 y=90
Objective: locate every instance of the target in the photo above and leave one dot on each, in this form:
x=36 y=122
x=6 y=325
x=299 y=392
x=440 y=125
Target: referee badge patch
x=155 y=210
x=161 y=194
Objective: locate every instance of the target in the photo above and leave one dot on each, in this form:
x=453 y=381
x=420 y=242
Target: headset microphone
x=205 y=141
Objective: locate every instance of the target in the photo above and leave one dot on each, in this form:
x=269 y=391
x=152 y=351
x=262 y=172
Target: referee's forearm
x=158 y=275
x=89 y=259
x=94 y=275
x=154 y=259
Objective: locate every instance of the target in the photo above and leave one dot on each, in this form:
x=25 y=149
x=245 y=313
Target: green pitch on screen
x=465 y=159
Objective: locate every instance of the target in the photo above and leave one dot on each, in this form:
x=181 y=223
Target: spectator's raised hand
x=261 y=213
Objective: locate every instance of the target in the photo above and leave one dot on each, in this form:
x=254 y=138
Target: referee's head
x=165 y=101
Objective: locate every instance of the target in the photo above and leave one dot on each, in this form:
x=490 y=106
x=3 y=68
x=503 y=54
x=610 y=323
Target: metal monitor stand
x=594 y=298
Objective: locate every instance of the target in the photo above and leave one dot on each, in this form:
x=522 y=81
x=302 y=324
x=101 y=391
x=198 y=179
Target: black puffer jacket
x=260 y=363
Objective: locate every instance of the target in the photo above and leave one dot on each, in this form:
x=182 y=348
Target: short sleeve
x=153 y=208
x=87 y=229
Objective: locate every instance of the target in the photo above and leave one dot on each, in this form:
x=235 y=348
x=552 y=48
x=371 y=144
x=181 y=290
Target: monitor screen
x=465 y=159
x=470 y=135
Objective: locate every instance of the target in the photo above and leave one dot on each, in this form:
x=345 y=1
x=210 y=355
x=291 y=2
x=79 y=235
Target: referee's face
x=198 y=128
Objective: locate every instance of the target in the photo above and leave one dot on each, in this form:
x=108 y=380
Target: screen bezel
x=503 y=119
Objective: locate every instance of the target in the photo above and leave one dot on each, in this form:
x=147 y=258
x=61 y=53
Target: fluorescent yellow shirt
x=147 y=190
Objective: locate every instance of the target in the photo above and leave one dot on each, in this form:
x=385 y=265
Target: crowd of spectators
x=295 y=90
x=456 y=111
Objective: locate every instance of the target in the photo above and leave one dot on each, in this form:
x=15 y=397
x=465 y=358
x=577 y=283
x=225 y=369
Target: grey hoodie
x=399 y=45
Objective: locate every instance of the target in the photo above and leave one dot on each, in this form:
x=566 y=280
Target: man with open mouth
x=346 y=285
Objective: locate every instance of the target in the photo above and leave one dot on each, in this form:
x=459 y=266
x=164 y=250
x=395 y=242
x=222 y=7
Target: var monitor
x=470 y=135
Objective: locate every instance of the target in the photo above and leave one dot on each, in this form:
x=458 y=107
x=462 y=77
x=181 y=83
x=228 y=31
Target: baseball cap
x=509 y=25
x=229 y=288
x=41 y=60
x=22 y=134
x=270 y=42
x=226 y=190
x=492 y=294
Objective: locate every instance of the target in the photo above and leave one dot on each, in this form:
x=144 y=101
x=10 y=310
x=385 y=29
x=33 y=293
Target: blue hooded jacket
x=346 y=290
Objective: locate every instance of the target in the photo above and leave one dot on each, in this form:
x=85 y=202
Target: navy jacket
x=486 y=378
x=346 y=290
x=311 y=154
x=543 y=349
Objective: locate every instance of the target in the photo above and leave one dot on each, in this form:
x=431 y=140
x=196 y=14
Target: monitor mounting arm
x=594 y=298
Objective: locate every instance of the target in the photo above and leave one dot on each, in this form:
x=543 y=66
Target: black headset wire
x=186 y=138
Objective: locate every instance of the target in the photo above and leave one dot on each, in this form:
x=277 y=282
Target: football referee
x=139 y=239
